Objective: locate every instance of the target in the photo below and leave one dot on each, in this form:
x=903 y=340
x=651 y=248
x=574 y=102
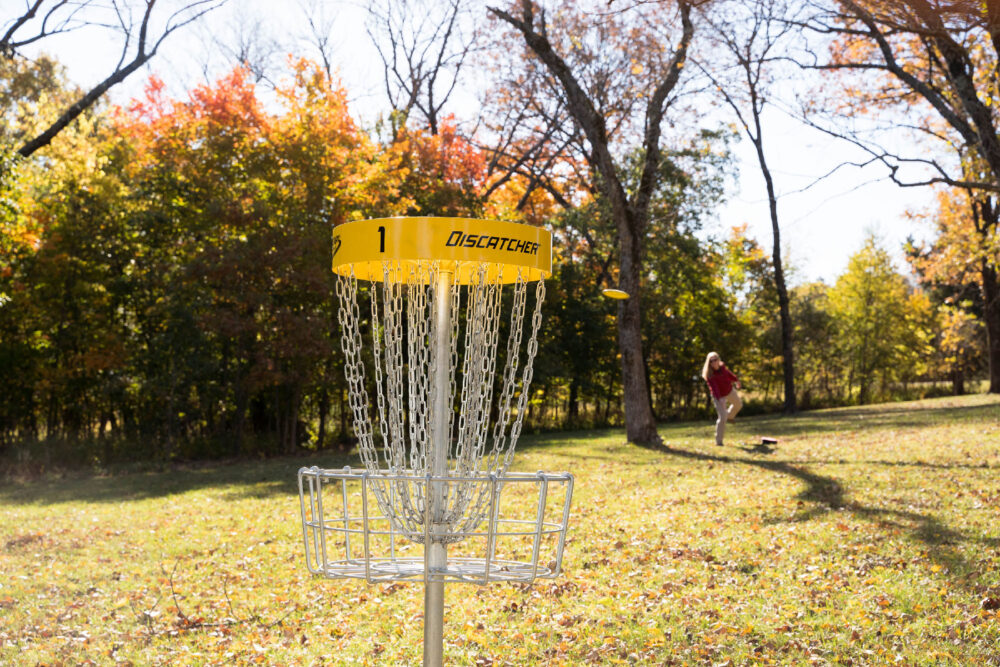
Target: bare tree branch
x=60 y=16
x=423 y=49
x=320 y=32
x=145 y=49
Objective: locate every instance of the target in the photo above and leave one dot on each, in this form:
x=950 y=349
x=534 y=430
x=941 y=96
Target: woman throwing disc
x=723 y=385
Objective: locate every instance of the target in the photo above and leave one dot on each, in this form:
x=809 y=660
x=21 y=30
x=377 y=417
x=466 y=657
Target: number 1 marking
x=381 y=239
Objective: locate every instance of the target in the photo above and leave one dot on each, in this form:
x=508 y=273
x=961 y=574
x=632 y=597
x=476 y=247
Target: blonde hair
x=706 y=370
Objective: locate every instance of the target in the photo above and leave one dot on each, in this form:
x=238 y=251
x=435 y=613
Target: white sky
x=820 y=228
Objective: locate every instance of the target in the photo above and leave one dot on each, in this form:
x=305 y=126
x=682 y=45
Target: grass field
x=870 y=536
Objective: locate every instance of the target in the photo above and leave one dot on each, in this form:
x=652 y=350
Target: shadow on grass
x=613 y=455
x=765 y=449
x=826 y=493
x=234 y=480
x=889 y=416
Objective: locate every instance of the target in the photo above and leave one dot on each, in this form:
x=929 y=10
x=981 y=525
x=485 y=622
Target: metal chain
x=350 y=323
x=372 y=462
x=477 y=384
x=403 y=331
x=395 y=445
x=456 y=305
x=498 y=450
x=529 y=365
x=418 y=314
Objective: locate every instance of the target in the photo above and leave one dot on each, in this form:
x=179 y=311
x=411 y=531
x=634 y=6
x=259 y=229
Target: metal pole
x=435 y=553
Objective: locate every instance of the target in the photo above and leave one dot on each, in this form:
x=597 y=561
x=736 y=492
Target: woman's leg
x=720 y=424
x=735 y=404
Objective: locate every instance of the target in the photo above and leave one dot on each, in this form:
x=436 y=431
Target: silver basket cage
x=348 y=535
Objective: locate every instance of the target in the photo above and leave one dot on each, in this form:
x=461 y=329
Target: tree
x=32 y=95
x=561 y=51
x=180 y=294
x=820 y=368
x=941 y=57
x=247 y=43
x=140 y=41
x=879 y=322
x=965 y=252
x=747 y=275
x=423 y=46
x=958 y=345
x=751 y=36
x=691 y=311
x=250 y=196
x=576 y=351
x=445 y=174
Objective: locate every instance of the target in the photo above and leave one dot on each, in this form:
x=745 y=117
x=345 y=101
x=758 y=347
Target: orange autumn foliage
x=961 y=245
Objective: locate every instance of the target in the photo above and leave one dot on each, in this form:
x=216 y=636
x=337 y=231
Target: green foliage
x=12 y=236
x=33 y=92
x=818 y=365
x=191 y=309
x=694 y=181
x=577 y=355
x=748 y=277
x=882 y=333
x=958 y=345
x=689 y=311
x=690 y=314
x=164 y=278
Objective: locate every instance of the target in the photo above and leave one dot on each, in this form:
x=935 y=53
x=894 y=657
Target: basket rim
x=386 y=474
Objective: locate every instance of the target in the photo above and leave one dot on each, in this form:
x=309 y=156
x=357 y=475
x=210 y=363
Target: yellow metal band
x=460 y=245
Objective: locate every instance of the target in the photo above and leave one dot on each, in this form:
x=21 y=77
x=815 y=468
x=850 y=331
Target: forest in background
x=165 y=284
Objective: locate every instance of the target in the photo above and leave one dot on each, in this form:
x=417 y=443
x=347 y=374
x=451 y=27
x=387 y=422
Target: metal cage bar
x=545 y=531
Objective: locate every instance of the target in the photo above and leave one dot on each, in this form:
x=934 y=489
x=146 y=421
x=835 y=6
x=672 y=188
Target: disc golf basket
x=446 y=347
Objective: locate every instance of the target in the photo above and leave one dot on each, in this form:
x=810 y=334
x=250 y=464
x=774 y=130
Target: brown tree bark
x=630 y=215
x=991 y=315
x=986 y=218
x=784 y=310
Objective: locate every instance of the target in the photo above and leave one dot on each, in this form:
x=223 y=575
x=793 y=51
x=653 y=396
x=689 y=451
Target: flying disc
x=615 y=294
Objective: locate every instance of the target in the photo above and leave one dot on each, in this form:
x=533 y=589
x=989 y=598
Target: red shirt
x=721 y=382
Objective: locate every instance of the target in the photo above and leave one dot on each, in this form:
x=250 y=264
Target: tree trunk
x=958 y=381
x=991 y=314
x=573 y=405
x=241 y=401
x=630 y=215
x=649 y=385
x=640 y=425
x=324 y=407
x=787 y=353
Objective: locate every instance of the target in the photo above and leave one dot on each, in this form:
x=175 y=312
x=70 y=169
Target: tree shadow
x=827 y=493
x=234 y=479
x=880 y=416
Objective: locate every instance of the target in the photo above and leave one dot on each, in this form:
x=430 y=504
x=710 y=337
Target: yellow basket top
x=459 y=245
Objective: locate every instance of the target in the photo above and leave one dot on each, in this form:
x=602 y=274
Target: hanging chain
x=418 y=314
x=354 y=370
x=529 y=366
x=403 y=335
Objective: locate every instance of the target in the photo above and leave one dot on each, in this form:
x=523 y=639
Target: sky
x=822 y=223
x=821 y=227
